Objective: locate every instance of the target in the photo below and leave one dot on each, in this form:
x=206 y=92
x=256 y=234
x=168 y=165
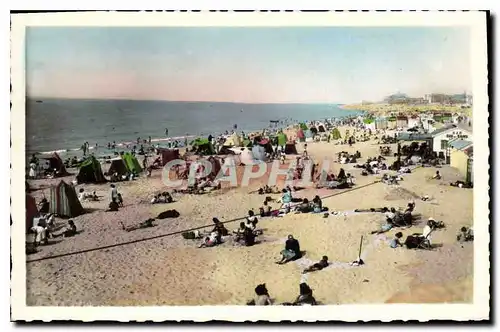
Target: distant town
x=462 y=99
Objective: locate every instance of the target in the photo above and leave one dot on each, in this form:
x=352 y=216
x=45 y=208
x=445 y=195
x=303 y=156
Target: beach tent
x=203 y=146
x=233 y=140
x=303 y=126
x=216 y=165
x=247 y=157
x=246 y=143
x=321 y=128
x=290 y=148
x=90 y=171
x=225 y=150
x=259 y=152
x=266 y=144
x=31 y=211
x=335 y=134
x=64 y=202
x=282 y=139
x=132 y=163
x=55 y=162
x=168 y=155
x=117 y=166
x=300 y=135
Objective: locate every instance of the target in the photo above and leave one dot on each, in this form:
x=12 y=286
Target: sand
x=172 y=271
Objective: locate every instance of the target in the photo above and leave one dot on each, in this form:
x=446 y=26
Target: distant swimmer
x=166 y=131
x=235 y=126
x=241 y=110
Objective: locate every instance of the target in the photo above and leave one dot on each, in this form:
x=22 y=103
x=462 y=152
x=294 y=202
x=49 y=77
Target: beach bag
x=412 y=242
x=169 y=214
x=189 y=235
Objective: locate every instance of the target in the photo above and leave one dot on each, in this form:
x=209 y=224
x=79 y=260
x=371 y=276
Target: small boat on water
x=39 y=101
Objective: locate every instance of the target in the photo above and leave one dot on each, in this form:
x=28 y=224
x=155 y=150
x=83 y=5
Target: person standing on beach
x=166 y=131
x=149 y=139
x=114 y=194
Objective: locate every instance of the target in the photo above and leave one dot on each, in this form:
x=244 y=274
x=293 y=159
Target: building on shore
x=381 y=122
x=401 y=121
x=443 y=136
x=461 y=158
x=414 y=121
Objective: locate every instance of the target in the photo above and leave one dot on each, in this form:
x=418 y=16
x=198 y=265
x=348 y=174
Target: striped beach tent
x=64 y=201
x=31 y=211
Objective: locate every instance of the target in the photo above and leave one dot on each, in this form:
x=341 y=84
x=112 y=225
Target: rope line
x=176 y=232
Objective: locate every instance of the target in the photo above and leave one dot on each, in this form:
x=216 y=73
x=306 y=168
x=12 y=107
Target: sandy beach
x=170 y=270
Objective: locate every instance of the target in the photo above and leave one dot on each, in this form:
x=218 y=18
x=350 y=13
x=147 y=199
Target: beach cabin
x=461 y=158
x=401 y=121
x=369 y=124
x=391 y=123
x=414 y=121
x=381 y=122
x=443 y=136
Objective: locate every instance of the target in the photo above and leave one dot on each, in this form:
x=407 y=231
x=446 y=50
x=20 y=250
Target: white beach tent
x=259 y=152
x=245 y=156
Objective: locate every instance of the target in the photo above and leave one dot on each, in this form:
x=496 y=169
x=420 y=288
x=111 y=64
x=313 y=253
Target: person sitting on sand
x=265 y=210
x=219 y=227
x=317 y=204
x=395 y=242
x=262 y=296
x=120 y=199
x=342 y=176
x=82 y=195
x=44 y=206
x=304 y=207
x=437 y=176
x=69 y=231
x=306 y=296
x=317 y=266
x=240 y=231
x=291 y=252
x=251 y=220
x=113 y=207
x=40 y=234
x=466 y=234
x=145 y=224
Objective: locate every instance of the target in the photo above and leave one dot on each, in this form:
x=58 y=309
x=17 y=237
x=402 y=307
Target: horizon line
x=181 y=101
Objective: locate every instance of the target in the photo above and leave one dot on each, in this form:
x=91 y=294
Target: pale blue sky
x=331 y=64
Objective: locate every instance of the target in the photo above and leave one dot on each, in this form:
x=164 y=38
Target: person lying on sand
x=262 y=296
x=291 y=252
x=211 y=241
x=69 y=231
x=395 y=242
x=145 y=224
x=385 y=227
x=317 y=266
x=461 y=184
x=466 y=234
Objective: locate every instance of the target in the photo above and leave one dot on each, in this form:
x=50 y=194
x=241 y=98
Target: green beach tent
x=90 y=171
x=303 y=126
x=132 y=163
x=203 y=146
x=335 y=134
x=282 y=139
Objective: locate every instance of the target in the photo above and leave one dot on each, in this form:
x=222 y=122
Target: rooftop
x=460 y=144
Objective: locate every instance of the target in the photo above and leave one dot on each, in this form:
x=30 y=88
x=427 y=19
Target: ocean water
x=58 y=125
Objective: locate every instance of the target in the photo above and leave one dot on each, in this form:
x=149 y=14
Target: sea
x=63 y=125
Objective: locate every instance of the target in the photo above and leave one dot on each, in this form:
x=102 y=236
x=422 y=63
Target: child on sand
x=395 y=242
x=317 y=266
